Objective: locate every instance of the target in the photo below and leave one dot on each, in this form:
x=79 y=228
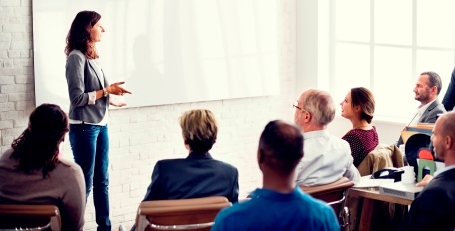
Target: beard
x=422 y=97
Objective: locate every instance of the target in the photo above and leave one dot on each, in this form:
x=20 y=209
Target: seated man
x=426 y=91
x=279 y=205
x=434 y=207
x=198 y=175
x=327 y=157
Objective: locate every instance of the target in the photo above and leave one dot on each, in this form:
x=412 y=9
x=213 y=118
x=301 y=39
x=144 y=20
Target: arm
x=155 y=189
x=352 y=173
x=449 y=97
x=235 y=189
x=75 y=79
x=73 y=201
x=75 y=64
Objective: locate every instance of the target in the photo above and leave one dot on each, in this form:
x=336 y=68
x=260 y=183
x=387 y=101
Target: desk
x=368 y=204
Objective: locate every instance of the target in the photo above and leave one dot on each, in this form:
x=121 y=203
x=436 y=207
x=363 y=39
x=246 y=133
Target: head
x=85 y=31
x=38 y=146
x=427 y=88
x=358 y=105
x=280 y=148
x=199 y=130
x=314 y=110
x=443 y=138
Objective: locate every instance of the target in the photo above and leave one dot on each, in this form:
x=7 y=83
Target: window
x=384 y=45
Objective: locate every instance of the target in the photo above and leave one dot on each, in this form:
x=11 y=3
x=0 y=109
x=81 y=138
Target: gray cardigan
x=83 y=77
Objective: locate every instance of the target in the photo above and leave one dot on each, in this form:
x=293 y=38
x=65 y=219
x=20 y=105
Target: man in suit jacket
x=198 y=175
x=434 y=207
x=427 y=89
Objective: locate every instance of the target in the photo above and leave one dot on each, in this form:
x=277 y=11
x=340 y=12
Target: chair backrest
x=333 y=193
x=30 y=217
x=183 y=214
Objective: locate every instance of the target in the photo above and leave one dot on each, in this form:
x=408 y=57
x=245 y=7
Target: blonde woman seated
x=32 y=173
x=197 y=175
x=358 y=107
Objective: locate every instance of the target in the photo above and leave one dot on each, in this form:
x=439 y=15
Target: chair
x=334 y=194
x=29 y=217
x=183 y=214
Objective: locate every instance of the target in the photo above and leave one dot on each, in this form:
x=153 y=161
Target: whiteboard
x=167 y=51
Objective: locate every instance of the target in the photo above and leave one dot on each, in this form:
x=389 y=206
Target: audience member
x=32 y=173
x=198 y=175
x=327 y=157
x=449 y=97
x=434 y=207
x=427 y=89
x=280 y=204
x=358 y=107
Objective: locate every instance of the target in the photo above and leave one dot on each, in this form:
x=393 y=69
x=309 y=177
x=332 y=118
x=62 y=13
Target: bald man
x=434 y=208
x=279 y=204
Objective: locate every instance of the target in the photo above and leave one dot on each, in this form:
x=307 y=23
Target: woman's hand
x=116 y=89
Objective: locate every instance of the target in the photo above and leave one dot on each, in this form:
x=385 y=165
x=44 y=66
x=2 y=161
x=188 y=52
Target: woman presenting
x=89 y=95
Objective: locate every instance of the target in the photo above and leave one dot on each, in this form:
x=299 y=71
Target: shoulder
x=236 y=212
x=437 y=107
x=67 y=165
x=76 y=53
x=352 y=136
x=225 y=165
x=76 y=56
x=7 y=153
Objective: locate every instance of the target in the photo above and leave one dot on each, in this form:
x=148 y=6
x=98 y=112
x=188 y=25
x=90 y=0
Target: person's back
x=32 y=173
x=198 y=175
x=279 y=204
x=270 y=210
x=64 y=187
x=326 y=160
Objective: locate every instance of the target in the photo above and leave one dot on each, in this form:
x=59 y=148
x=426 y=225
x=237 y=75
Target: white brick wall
x=141 y=136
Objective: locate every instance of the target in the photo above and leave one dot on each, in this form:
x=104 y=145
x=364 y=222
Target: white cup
x=408 y=177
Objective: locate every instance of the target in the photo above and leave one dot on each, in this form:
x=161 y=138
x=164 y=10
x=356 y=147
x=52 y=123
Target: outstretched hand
x=116 y=89
x=425 y=180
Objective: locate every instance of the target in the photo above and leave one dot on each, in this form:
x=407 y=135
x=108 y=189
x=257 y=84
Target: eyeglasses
x=296 y=105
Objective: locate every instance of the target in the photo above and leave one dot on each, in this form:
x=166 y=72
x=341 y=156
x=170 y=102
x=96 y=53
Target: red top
x=361 y=142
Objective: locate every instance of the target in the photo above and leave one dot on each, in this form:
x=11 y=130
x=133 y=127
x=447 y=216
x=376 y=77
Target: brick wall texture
x=141 y=136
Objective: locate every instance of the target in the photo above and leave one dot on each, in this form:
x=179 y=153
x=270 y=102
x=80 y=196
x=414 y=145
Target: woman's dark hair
x=38 y=146
x=364 y=98
x=79 y=35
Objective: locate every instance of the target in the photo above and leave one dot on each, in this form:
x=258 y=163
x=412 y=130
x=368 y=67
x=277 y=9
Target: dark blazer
x=429 y=116
x=83 y=77
x=449 y=97
x=434 y=207
x=196 y=176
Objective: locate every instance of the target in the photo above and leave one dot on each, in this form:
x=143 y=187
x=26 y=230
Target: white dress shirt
x=326 y=158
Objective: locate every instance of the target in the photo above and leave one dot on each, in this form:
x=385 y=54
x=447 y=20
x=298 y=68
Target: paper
x=366 y=182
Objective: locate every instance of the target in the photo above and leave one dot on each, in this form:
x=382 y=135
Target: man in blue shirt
x=279 y=204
